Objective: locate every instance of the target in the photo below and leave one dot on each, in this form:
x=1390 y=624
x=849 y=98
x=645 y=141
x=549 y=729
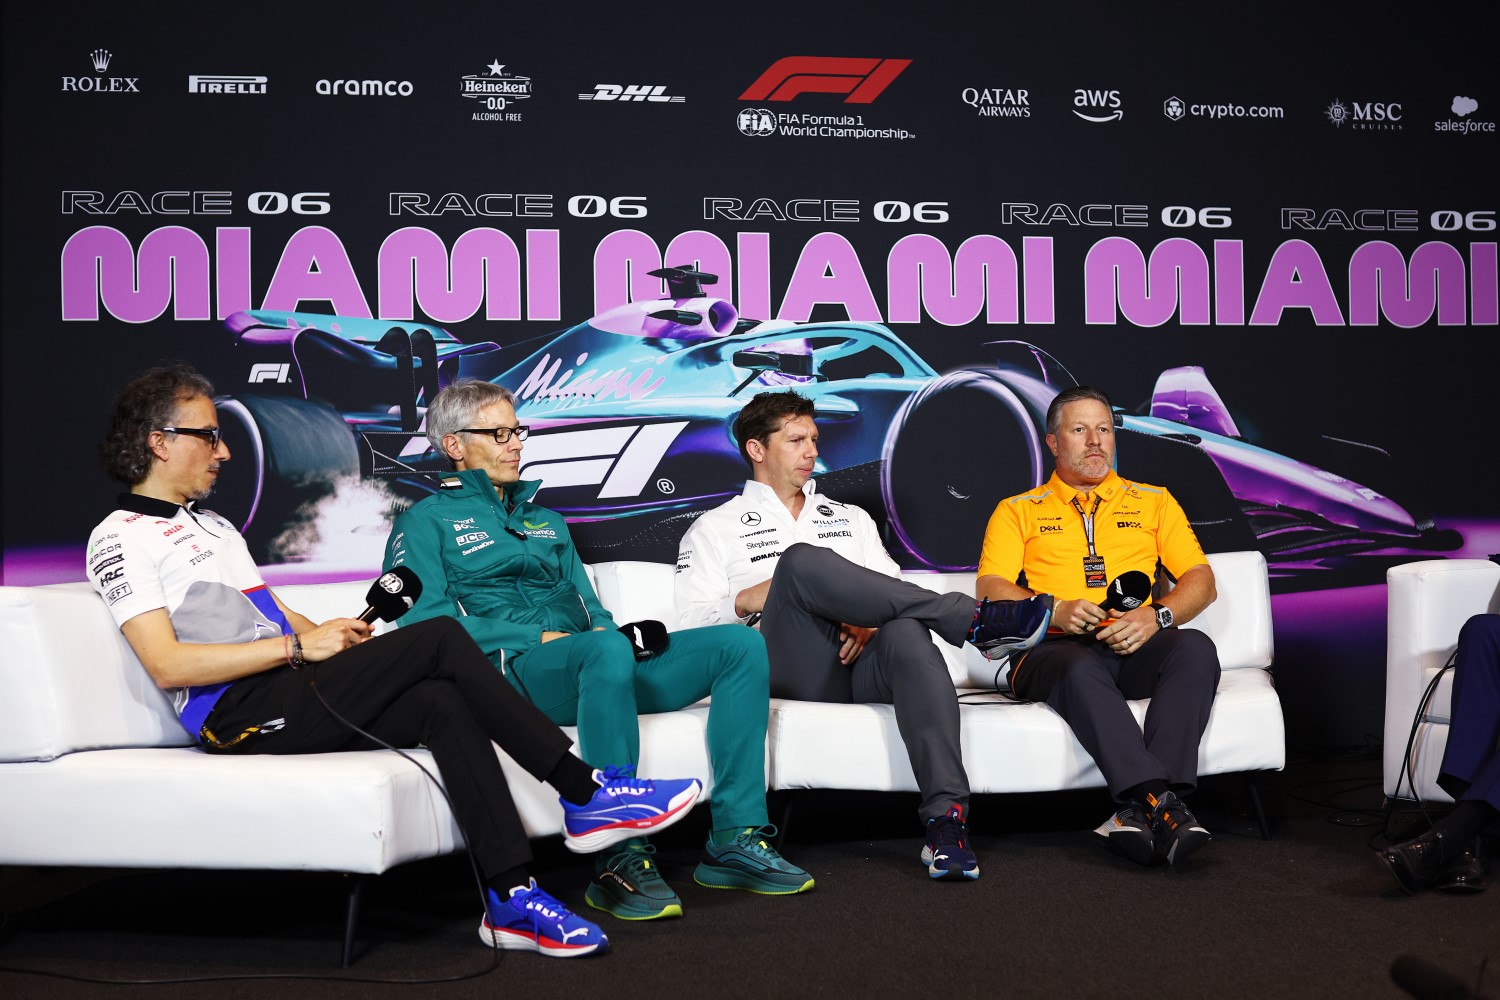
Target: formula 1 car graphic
x=630 y=418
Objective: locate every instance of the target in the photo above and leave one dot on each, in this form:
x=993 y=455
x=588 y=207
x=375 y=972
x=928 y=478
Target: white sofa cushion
x=72 y=682
x=1008 y=746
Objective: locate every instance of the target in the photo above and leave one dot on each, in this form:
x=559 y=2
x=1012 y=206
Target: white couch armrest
x=1427 y=603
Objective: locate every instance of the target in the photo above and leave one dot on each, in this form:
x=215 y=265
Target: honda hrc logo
x=619 y=459
x=862 y=79
x=269 y=372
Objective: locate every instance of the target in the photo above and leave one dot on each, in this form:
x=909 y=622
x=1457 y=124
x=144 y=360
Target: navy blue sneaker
x=531 y=920
x=1004 y=627
x=947 y=854
x=626 y=806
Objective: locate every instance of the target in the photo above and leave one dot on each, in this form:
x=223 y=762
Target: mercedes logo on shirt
x=750 y=517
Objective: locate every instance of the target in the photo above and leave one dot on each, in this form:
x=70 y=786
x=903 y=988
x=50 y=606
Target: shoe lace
x=536 y=904
x=636 y=861
x=948 y=831
x=1169 y=812
x=622 y=777
x=758 y=842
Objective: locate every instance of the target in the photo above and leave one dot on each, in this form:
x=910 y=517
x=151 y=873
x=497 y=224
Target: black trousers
x=1471 y=761
x=1087 y=683
x=426 y=684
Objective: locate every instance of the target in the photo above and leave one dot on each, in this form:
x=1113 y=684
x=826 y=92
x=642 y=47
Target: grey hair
x=457 y=406
x=1073 y=395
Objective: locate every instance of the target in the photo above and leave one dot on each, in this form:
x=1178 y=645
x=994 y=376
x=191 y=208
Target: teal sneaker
x=750 y=862
x=628 y=885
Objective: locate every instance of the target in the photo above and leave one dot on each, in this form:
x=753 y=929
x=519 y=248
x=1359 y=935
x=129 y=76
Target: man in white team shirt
x=839 y=623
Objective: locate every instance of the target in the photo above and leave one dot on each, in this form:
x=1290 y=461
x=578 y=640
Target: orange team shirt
x=1041 y=532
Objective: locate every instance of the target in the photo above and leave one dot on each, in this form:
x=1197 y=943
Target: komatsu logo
x=620 y=459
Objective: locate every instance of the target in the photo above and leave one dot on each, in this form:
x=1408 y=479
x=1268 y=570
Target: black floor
x=1309 y=913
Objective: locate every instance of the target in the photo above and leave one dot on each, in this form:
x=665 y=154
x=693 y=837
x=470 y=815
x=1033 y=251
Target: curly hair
x=765 y=414
x=148 y=402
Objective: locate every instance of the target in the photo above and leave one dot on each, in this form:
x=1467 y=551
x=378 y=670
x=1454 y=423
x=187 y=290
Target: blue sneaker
x=947 y=854
x=750 y=862
x=531 y=920
x=1004 y=627
x=625 y=807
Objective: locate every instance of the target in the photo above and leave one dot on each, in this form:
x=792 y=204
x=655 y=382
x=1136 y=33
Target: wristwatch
x=1163 y=617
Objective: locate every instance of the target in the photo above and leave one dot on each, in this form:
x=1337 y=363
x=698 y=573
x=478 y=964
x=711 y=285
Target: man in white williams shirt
x=839 y=623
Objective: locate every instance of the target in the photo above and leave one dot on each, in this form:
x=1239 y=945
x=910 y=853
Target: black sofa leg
x=351 y=917
x=1252 y=785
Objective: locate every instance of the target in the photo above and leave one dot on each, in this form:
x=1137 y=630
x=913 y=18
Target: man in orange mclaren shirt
x=1070 y=537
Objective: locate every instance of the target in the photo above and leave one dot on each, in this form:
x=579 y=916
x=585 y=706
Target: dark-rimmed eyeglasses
x=209 y=434
x=500 y=434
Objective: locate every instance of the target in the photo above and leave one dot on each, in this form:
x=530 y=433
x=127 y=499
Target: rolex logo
x=101 y=59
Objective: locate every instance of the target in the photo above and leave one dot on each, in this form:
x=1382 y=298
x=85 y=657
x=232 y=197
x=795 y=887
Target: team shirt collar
x=1107 y=491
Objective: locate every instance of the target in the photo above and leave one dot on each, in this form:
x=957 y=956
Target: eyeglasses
x=209 y=434
x=502 y=434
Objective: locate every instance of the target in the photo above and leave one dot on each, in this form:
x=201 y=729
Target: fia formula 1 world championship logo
x=862 y=80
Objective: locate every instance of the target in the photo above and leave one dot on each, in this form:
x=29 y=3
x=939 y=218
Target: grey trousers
x=815 y=590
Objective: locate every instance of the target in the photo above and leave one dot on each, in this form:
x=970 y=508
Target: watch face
x=1164 y=617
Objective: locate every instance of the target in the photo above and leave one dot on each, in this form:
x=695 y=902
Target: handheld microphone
x=391 y=596
x=1127 y=591
x=648 y=637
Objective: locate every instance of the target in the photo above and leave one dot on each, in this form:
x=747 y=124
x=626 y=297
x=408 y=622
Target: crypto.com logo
x=862 y=79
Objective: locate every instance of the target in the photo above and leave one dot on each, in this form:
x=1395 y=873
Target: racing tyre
x=284 y=452
x=957 y=447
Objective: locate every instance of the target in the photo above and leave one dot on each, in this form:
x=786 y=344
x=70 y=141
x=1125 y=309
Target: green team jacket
x=506 y=569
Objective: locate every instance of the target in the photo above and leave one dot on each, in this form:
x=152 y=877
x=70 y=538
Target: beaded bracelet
x=297 y=661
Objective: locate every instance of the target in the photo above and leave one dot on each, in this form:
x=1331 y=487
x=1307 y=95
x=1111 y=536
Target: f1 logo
x=269 y=372
x=862 y=79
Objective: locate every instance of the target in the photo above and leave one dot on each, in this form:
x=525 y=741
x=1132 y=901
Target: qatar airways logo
x=860 y=80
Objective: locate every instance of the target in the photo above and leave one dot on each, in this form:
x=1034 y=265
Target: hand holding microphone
x=389 y=597
x=1126 y=593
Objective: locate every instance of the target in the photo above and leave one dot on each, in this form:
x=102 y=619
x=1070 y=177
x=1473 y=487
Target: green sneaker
x=750 y=862
x=629 y=886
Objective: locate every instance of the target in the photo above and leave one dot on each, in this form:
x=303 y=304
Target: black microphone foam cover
x=648 y=637
x=393 y=594
x=1127 y=591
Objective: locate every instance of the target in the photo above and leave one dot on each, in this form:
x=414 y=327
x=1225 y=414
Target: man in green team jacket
x=506 y=568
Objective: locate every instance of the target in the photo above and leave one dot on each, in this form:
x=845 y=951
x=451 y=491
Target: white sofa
x=1008 y=746
x=95 y=770
x=1428 y=602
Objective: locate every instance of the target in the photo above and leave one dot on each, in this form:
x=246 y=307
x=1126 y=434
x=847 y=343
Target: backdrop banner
x=1276 y=253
